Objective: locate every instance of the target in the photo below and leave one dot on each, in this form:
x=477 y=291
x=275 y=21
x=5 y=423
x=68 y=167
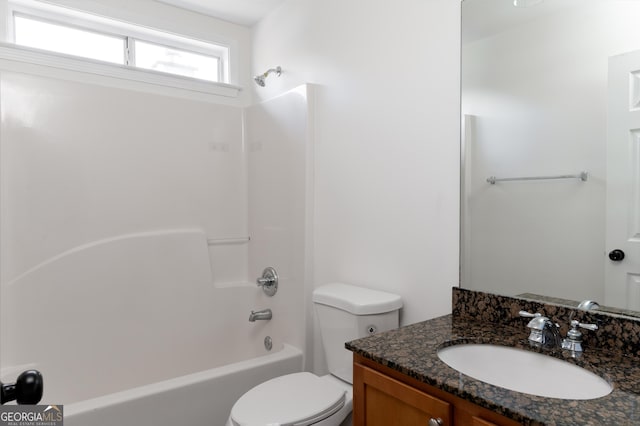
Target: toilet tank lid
x=356 y=300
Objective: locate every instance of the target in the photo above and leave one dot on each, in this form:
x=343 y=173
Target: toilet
x=344 y=313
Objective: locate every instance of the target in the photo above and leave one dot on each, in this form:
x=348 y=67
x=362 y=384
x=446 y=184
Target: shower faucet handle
x=268 y=281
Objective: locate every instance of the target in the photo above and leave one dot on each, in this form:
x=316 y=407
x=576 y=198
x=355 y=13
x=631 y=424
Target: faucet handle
x=537 y=322
x=268 y=281
x=544 y=332
x=573 y=341
x=575 y=324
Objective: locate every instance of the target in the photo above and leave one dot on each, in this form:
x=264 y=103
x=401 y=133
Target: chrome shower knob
x=268 y=281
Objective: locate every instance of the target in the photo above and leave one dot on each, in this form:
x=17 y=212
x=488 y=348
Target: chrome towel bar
x=583 y=176
x=223 y=241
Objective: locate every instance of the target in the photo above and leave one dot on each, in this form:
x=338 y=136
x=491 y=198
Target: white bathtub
x=132 y=331
x=199 y=399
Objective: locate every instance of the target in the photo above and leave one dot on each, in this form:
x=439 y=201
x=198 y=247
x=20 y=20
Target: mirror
x=551 y=92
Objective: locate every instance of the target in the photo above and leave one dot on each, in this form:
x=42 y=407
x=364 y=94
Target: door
x=380 y=400
x=622 y=267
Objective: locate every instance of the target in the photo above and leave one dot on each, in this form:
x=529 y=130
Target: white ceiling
x=480 y=18
x=483 y=18
x=242 y=12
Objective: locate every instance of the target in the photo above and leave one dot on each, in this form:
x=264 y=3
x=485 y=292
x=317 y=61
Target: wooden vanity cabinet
x=385 y=397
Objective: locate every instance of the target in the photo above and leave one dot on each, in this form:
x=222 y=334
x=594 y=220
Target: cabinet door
x=479 y=422
x=380 y=400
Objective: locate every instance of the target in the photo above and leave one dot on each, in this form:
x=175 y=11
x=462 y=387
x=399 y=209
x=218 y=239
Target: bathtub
x=199 y=399
x=204 y=398
x=132 y=330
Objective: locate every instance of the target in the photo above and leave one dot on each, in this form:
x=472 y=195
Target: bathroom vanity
x=400 y=380
x=384 y=397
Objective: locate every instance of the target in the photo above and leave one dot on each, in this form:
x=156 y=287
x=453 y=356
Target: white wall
x=387 y=146
x=538 y=94
x=81 y=163
x=279 y=149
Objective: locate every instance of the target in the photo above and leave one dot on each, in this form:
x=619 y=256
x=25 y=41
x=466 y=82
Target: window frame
x=128 y=32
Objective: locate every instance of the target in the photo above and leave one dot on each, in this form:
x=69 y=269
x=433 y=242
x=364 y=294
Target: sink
x=524 y=371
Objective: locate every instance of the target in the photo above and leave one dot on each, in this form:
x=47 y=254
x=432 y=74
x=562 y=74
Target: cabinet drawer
x=383 y=401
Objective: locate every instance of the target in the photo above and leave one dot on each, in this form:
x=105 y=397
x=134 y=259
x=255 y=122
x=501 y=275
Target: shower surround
x=132 y=228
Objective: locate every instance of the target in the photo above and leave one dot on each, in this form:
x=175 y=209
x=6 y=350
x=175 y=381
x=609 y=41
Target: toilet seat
x=298 y=399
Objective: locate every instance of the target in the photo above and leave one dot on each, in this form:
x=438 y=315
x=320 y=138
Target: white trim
x=19 y=54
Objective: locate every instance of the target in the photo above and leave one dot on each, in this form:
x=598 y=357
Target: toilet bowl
x=344 y=313
x=298 y=399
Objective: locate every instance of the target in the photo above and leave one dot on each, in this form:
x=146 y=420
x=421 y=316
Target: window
x=122 y=44
x=175 y=61
x=72 y=41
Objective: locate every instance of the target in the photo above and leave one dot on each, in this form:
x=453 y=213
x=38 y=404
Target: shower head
x=259 y=79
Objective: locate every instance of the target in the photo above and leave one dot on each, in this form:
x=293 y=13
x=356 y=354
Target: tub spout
x=262 y=315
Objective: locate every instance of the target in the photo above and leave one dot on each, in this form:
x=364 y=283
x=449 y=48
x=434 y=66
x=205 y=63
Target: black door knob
x=616 y=255
x=26 y=390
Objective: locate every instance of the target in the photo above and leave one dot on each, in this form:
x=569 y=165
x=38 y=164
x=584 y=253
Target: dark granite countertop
x=412 y=350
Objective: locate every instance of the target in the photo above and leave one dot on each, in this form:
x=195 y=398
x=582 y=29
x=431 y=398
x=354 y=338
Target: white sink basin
x=524 y=371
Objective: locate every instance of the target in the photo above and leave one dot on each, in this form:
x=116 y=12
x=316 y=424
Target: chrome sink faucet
x=546 y=334
x=587 y=305
x=551 y=337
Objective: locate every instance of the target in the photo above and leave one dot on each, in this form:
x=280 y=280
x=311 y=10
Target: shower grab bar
x=223 y=241
x=583 y=176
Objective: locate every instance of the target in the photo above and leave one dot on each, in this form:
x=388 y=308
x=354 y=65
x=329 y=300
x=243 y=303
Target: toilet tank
x=346 y=312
